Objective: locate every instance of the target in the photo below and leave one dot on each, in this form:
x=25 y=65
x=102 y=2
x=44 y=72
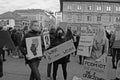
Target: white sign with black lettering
x=60 y=51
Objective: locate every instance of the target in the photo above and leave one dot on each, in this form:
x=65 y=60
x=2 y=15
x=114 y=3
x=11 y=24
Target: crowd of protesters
x=104 y=44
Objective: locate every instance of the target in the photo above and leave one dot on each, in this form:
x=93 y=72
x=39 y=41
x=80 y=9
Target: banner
x=60 y=51
x=34 y=48
x=92 y=70
x=46 y=37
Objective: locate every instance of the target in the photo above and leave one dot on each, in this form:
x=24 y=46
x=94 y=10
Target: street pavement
x=15 y=69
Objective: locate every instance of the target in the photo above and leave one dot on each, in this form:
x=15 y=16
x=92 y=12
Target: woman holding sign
x=100 y=45
x=63 y=61
x=34 y=62
x=52 y=44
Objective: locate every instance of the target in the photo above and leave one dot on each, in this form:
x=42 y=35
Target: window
x=108 y=8
x=79 y=17
x=117 y=8
x=70 y=17
x=89 y=7
x=89 y=18
x=110 y=18
x=117 y=19
x=99 y=18
x=69 y=7
x=40 y=18
x=99 y=8
x=7 y=22
x=79 y=7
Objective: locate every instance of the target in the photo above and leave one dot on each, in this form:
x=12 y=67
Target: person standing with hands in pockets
x=34 y=62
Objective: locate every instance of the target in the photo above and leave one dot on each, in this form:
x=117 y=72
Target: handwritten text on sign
x=85 y=45
x=60 y=51
x=94 y=71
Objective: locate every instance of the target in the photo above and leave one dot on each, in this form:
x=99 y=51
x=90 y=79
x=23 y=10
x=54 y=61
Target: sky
x=11 y=5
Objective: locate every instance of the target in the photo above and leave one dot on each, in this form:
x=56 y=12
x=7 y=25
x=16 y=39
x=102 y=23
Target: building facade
x=58 y=16
x=105 y=12
x=37 y=14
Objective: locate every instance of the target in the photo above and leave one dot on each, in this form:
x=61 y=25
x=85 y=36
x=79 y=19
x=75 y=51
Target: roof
x=10 y=15
x=108 y=1
x=29 y=11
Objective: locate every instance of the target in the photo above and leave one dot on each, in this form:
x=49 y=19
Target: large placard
x=60 y=51
x=85 y=45
x=34 y=48
x=92 y=70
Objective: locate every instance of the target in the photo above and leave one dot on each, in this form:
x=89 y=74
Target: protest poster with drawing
x=46 y=38
x=85 y=42
x=34 y=48
x=60 y=51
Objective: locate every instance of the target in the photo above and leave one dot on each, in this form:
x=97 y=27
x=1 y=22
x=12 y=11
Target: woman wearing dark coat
x=63 y=61
x=52 y=44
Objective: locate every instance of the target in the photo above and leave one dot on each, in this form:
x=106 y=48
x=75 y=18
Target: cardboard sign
x=92 y=70
x=34 y=48
x=85 y=45
x=60 y=51
x=46 y=37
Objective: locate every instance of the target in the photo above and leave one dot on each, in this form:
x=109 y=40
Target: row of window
x=99 y=8
x=89 y=18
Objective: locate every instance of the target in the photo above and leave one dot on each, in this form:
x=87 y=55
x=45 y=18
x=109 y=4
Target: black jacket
x=23 y=45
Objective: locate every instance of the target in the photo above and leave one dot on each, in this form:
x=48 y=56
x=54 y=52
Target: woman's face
x=60 y=34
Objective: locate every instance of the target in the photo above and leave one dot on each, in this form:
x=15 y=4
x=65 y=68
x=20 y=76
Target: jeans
x=49 y=66
x=35 y=75
x=55 y=68
x=115 y=55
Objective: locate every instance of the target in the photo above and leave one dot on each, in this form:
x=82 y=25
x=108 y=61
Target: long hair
x=69 y=34
x=59 y=32
x=100 y=35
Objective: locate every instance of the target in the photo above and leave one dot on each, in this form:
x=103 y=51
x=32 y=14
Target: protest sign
x=34 y=48
x=85 y=45
x=92 y=70
x=46 y=37
x=60 y=51
x=86 y=41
